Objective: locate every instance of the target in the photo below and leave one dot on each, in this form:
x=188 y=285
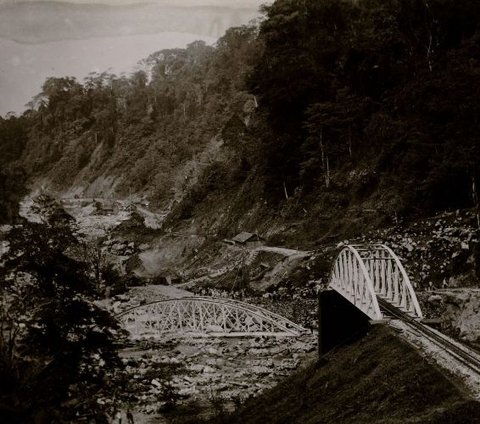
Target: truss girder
x=205 y=316
x=363 y=273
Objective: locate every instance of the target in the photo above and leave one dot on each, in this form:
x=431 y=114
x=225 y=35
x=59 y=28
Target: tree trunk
x=325 y=162
x=327 y=173
x=430 y=39
x=350 y=141
x=285 y=189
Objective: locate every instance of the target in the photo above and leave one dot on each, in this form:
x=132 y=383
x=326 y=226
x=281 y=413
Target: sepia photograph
x=239 y=212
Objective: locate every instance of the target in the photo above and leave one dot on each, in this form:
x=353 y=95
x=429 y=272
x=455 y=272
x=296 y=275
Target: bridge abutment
x=340 y=322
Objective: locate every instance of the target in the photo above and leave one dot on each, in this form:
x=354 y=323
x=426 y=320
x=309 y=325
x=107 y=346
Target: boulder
x=208 y=369
x=435 y=298
x=156 y=383
x=212 y=351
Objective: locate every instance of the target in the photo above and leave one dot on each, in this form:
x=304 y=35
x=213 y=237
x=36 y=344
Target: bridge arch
x=205 y=315
x=367 y=274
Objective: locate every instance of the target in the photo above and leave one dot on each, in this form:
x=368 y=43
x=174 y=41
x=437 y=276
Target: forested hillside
x=373 y=96
x=337 y=113
x=129 y=134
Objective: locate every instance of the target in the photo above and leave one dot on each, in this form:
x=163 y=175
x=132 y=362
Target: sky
x=39 y=39
x=223 y=3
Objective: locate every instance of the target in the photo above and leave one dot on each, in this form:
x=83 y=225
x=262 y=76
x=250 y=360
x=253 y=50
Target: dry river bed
x=207 y=372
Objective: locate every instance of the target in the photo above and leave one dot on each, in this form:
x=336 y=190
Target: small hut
x=248 y=239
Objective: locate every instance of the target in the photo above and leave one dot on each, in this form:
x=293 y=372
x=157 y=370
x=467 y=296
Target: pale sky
x=226 y=3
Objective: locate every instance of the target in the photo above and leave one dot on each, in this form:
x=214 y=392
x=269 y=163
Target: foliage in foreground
x=58 y=360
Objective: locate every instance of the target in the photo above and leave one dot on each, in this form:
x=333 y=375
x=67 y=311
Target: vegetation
x=12 y=177
x=358 y=110
x=384 y=88
x=338 y=105
x=58 y=359
x=141 y=129
x=378 y=379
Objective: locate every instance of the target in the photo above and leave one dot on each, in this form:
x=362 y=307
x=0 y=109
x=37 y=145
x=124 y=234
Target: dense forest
x=387 y=89
x=340 y=104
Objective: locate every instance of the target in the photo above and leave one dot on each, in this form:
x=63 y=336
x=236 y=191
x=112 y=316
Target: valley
x=272 y=228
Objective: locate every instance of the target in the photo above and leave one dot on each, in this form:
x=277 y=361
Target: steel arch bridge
x=205 y=315
x=367 y=274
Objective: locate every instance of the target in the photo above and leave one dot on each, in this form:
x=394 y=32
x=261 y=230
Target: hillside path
x=283 y=251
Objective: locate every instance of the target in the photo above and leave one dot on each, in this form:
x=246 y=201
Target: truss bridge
x=366 y=274
x=207 y=316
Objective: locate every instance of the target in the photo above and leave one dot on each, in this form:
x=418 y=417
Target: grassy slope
x=379 y=379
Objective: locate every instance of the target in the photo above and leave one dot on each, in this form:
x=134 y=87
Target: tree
x=12 y=189
x=57 y=351
x=331 y=129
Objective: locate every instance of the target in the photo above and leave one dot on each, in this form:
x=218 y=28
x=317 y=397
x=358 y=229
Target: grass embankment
x=379 y=379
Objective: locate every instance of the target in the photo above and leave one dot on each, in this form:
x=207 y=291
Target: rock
x=258 y=352
x=196 y=367
x=214 y=329
x=156 y=383
x=222 y=387
x=261 y=386
x=116 y=306
x=208 y=369
x=288 y=364
x=457 y=299
x=118 y=247
x=220 y=362
x=260 y=370
x=301 y=346
x=469 y=320
x=188 y=391
x=275 y=350
x=435 y=298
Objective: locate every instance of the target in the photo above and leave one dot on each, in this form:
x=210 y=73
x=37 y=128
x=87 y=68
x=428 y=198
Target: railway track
x=462 y=354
